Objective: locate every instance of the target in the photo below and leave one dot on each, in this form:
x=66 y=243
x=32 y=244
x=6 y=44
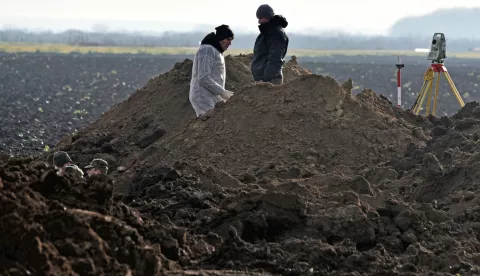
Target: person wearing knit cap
x=61 y=161
x=207 y=86
x=270 y=46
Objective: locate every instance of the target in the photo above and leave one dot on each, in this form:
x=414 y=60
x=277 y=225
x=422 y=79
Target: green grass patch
x=65 y=48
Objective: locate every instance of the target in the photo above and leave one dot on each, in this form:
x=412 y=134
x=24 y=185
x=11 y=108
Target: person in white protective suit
x=207 y=86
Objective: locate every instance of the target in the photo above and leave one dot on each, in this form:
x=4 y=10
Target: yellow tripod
x=427 y=88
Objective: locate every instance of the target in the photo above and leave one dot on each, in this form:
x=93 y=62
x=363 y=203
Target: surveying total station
x=437 y=55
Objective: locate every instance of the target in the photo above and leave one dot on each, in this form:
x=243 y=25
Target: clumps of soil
x=292 y=70
x=329 y=223
x=303 y=178
x=194 y=218
x=444 y=171
x=53 y=226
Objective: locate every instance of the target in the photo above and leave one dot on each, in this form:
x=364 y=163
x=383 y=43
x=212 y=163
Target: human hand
x=219 y=98
x=226 y=94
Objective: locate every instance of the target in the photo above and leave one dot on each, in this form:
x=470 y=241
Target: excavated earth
x=298 y=179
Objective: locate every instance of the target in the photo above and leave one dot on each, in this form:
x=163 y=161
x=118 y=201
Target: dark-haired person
x=270 y=47
x=207 y=86
x=63 y=163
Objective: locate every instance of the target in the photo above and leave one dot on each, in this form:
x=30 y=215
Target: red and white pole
x=399 y=82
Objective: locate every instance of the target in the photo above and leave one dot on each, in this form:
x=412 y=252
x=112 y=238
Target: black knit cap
x=223 y=32
x=61 y=158
x=265 y=11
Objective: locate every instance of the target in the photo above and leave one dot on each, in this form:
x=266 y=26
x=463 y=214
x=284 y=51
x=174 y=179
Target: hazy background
x=340 y=24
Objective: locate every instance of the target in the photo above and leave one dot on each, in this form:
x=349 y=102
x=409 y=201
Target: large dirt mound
x=159 y=111
x=310 y=121
x=298 y=179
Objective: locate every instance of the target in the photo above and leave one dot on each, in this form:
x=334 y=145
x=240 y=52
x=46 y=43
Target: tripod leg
x=424 y=94
x=429 y=101
x=436 y=94
x=422 y=97
x=454 y=89
x=417 y=101
x=427 y=77
x=419 y=96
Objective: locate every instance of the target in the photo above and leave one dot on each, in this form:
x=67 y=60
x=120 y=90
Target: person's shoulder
x=74 y=166
x=279 y=23
x=74 y=169
x=207 y=49
x=277 y=33
x=275 y=30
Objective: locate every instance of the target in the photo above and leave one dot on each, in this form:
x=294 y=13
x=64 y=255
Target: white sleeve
x=205 y=63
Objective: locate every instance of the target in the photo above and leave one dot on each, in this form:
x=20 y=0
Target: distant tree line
x=245 y=41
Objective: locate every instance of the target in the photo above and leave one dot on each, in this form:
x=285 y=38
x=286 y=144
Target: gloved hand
x=219 y=98
x=226 y=94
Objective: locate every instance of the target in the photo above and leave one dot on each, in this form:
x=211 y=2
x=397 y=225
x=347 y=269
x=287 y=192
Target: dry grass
x=64 y=48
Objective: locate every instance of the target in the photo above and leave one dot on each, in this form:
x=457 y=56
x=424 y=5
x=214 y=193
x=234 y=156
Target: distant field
x=64 y=48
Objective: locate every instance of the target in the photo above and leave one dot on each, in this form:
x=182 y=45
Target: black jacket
x=270 y=48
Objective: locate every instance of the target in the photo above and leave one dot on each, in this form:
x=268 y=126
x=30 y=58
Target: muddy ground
x=307 y=178
x=59 y=94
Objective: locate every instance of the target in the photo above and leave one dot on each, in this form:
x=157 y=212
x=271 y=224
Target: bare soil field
x=306 y=178
x=44 y=96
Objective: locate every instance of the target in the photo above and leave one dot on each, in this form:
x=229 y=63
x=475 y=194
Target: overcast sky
x=365 y=16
